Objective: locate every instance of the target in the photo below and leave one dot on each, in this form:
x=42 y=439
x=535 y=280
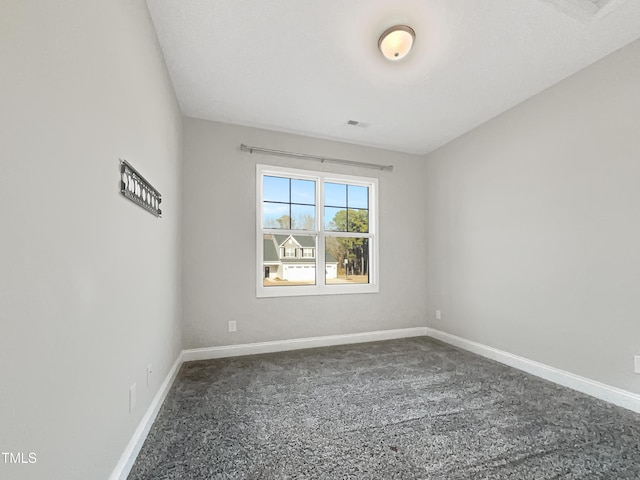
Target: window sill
x=313 y=290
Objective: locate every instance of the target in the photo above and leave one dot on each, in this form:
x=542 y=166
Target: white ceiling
x=309 y=66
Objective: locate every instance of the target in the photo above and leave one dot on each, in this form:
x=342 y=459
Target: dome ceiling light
x=396 y=42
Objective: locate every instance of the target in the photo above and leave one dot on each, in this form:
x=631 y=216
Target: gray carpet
x=401 y=409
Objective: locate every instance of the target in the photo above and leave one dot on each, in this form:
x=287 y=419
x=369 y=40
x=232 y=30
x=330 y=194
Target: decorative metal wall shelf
x=137 y=189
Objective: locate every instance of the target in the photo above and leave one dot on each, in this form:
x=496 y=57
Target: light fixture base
x=396 y=42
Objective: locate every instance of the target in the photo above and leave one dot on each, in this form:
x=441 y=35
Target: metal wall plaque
x=137 y=189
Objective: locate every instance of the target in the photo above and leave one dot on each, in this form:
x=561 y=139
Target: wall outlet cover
x=232 y=326
x=438 y=315
x=636 y=363
x=149 y=374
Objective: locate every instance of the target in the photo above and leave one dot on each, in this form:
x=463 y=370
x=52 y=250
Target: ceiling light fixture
x=396 y=42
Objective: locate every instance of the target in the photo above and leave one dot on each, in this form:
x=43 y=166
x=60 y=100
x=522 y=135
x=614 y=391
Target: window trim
x=320 y=287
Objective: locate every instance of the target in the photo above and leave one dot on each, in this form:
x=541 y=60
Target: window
x=316 y=233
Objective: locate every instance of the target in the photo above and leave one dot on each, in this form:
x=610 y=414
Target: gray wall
x=219 y=242
x=534 y=226
x=89 y=282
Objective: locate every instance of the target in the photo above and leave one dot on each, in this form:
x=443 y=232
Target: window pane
x=275 y=189
x=303 y=191
x=335 y=195
x=358 y=221
x=347 y=260
x=335 y=219
x=341 y=220
x=358 y=196
x=287 y=261
x=276 y=215
x=303 y=216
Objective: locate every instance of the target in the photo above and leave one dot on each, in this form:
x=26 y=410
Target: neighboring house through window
x=317 y=233
x=291 y=268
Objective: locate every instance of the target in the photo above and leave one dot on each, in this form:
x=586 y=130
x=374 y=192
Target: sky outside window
x=288 y=203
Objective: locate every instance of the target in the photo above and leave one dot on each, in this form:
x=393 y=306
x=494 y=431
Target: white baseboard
x=128 y=457
x=299 y=343
x=610 y=394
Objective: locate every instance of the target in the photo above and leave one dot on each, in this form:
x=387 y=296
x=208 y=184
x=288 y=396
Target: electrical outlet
x=132 y=397
x=149 y=374
x=438 y=315
x=636 y=363
x=232 y=326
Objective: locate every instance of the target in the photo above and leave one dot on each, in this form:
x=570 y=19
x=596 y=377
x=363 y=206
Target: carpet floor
x=400 y=409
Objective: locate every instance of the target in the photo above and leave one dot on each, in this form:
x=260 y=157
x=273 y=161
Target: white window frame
x=320 y=288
